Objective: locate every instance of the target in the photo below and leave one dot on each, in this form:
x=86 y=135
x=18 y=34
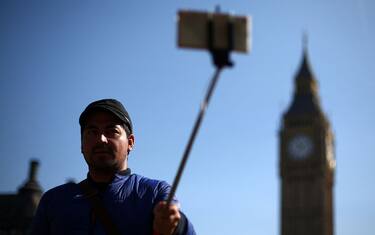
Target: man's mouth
x=103 y=152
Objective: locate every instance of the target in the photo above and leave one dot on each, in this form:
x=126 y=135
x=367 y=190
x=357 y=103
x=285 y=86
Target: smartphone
x=226 y=32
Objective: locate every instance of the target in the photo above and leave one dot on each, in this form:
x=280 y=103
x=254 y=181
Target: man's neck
x=100 y=176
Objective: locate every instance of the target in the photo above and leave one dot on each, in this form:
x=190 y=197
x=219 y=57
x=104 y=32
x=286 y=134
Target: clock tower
x=306 y=161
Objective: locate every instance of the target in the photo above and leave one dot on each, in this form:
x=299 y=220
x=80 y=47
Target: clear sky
x=57 y=56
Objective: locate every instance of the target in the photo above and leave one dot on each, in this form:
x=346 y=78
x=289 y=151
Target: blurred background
x=58 y=56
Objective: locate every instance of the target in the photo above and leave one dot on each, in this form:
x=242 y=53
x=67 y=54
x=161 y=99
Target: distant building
x=17 y=210
x=307 y=162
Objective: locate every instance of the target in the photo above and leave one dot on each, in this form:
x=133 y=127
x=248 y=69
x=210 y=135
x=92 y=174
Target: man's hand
x=166 y=218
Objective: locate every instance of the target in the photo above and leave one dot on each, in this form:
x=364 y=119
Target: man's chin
x=108 y=165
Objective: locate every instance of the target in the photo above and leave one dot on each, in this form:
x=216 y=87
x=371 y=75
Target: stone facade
x=17 y=210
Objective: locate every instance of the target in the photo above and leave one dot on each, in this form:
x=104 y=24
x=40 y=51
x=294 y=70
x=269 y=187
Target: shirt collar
x=103 y=185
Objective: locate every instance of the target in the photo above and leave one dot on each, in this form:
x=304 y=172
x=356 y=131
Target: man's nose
x=103 y=138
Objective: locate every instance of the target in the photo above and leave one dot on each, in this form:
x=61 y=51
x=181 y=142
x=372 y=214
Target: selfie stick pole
x=220 y=59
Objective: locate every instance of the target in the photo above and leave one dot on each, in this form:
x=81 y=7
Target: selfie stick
x=220 y=59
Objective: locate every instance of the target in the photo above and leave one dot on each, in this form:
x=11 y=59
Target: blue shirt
x=129 y=199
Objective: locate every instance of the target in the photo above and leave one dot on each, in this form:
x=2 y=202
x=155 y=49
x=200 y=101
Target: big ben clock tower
x=306 y=161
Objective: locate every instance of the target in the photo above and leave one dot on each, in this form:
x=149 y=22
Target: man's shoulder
x=148 y=182
x=142 y=186
x=61 y=190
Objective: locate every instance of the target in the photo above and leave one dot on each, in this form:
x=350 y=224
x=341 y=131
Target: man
x=134 y=204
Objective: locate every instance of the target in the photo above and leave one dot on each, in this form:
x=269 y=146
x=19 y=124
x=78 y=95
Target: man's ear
x=131 y=142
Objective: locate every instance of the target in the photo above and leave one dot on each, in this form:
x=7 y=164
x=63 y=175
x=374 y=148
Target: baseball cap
x=111 y=105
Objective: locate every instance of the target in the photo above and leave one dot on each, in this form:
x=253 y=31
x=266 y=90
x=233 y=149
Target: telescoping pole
x=193 y=134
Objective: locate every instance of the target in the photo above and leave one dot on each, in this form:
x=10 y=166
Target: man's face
x=104 y=142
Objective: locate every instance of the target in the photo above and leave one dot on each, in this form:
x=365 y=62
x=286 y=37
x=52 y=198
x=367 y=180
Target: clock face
x=300 y=146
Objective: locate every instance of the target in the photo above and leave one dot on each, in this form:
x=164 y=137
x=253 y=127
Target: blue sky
x=57 y=56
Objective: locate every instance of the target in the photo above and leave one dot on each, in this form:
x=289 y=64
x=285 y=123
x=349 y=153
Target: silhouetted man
x=132 y=204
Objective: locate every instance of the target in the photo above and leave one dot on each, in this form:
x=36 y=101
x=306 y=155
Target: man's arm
x=168 y=220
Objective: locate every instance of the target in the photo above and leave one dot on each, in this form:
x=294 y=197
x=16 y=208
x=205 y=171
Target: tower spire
x=32 y=184
x=305 y=98
x=305 y=71
x=305 y=41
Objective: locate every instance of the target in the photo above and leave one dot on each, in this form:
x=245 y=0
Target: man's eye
x=114 y=131
x=91 y=132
